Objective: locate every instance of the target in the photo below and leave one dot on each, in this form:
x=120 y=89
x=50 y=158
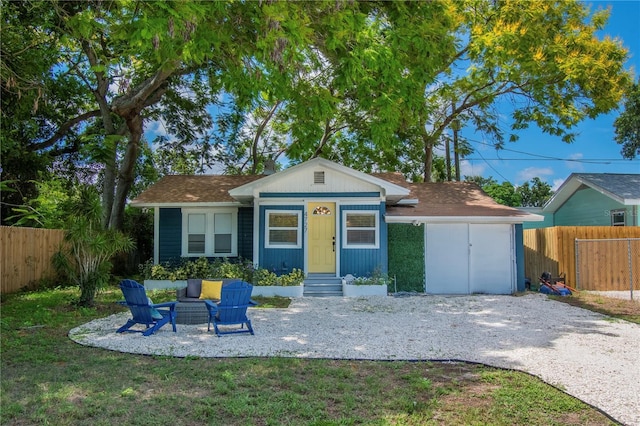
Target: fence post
x=630 y=268
x=577 y=263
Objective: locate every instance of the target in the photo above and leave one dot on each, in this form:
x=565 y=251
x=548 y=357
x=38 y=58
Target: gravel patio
x=586 y=354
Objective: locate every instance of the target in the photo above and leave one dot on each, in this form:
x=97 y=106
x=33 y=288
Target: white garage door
x=469 y=258
x=447 y=253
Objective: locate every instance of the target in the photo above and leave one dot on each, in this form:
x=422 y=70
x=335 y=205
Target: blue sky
x=595 y=140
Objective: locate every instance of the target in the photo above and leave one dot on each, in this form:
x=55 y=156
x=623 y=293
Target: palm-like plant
x=85 y=257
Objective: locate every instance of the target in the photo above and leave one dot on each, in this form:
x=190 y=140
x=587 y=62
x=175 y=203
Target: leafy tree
x=32 y=101
x=504 y=193
x=47 y=209
x=85 y=257
x=355 y=101
x=481 y=181
x=627 y=125
x=542 y=58
x=536 y=194
x=375 y=85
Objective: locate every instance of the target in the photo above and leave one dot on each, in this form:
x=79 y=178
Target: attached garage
x=467 y=258
x=471 y=243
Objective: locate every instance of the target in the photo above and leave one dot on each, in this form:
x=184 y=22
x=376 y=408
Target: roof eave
x=463 y=219
x=194 y=204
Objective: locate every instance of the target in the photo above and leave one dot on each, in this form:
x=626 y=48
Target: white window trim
x=267 y=242
x=375 y=214
x=209 y=237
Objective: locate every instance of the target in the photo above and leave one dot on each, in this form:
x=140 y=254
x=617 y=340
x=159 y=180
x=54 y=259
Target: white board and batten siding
x=319 y=180
x=468 y=258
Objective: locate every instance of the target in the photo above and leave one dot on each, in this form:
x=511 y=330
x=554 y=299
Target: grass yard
x=48 y=379
x=628 y=310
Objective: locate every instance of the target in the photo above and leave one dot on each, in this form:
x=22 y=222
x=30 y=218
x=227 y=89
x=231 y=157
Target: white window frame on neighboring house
x=621 y=213
x=268 y=243
x=214 y=219
x=346 y=230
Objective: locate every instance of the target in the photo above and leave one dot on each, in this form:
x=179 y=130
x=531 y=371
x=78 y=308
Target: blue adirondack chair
x=143 y=311
x=235 y=298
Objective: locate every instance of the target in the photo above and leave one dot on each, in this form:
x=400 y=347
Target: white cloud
x=573 y=165
x=529 y=173
x=152 y=129
x=468 y=169
x=556 y=184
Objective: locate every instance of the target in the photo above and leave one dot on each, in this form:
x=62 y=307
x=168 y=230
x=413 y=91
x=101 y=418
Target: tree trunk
x=427 y=140
x=447 y=147
x=130 y=107
x=456 y=154
x=256 y=139
x=100 y=93
x=127 y=172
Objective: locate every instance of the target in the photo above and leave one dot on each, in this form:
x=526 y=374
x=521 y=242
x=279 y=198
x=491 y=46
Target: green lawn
x=48 y=379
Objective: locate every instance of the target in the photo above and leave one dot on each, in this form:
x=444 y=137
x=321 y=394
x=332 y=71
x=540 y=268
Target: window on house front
x=361 y=229
x=197 y=231
x=283 y=229
x=617 y=218
x=209 y=233
x=222 y=233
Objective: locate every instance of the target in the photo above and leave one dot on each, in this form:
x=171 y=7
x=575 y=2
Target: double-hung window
x=196 y=234
x=210 y=233
x=283 y=229
x=360 y=229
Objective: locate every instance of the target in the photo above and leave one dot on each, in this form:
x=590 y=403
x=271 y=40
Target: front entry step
x=321 y=285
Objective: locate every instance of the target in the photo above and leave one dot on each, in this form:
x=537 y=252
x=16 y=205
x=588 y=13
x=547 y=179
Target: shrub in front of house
x=203 y=268
x=376 y=278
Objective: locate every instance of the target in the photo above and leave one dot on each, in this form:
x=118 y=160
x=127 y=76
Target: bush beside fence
x=26 y=256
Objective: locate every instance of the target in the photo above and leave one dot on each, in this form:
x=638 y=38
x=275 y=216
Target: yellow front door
x=322 y=237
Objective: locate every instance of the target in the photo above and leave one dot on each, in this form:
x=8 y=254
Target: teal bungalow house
x=592 y=199
x=330 y=220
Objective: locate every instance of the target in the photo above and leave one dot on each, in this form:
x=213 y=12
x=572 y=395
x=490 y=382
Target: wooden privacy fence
x=554 y=250
x=26 y=255
x=620 y=255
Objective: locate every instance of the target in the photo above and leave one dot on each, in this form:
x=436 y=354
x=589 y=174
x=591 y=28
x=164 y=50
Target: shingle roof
x=624 y=186
x=451 y=199
x=443 y=199
x=178 y=189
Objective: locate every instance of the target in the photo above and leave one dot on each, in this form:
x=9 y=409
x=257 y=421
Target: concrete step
x=321 y=286
x=315 y=293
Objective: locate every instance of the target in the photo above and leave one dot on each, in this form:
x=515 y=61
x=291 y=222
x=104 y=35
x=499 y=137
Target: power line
x=576 y=160
x=544 y=157
x=494 y=169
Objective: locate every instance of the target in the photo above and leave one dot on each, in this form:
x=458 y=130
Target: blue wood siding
x=588 y=207
x=280 y=261
x=170 y=235
x=363 y=262
x=245 y=233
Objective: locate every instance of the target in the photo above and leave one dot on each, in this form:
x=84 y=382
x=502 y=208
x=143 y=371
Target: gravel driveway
x=590 y=356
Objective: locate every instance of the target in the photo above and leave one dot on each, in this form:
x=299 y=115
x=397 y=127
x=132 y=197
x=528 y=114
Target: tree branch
x=63 y=129
x=132 y=103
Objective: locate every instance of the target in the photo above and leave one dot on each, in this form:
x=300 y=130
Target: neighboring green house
x=593 y=199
